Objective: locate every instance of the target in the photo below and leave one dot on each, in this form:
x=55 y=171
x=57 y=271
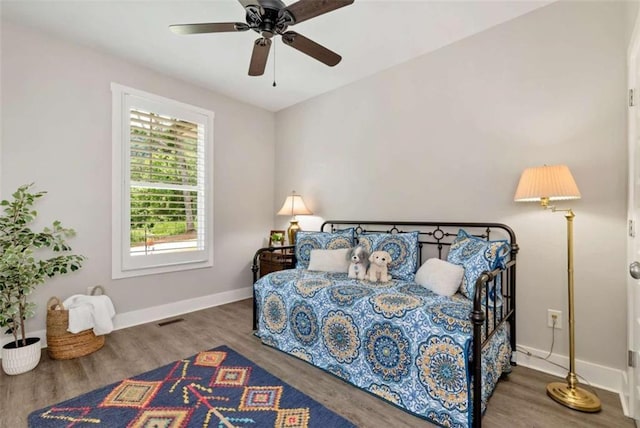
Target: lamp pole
x=570 y=394
x=572 y=379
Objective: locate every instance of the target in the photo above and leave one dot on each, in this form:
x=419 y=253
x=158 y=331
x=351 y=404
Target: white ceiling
x=370 y=35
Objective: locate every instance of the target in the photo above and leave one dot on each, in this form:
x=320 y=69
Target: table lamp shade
x=294 y=205
x=546 y=182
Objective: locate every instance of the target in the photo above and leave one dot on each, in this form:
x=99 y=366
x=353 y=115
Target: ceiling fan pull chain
x=274 y=63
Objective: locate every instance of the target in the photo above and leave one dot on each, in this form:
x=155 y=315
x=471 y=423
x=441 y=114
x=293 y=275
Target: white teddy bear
x=378 y=270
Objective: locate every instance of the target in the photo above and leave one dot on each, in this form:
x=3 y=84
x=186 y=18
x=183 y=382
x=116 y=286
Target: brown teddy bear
x=378 y=270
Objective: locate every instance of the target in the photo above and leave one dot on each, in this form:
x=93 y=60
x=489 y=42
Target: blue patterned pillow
x=307 y=241
x=403 y=248
x=477 y=255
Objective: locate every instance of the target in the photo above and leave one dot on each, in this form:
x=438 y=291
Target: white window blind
x=167 y=167
x=166 y=192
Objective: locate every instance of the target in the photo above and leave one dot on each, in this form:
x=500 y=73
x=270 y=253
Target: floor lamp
x=544 y=184
x=293 y=206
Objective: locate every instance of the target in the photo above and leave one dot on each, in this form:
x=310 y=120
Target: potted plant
x=276 y=238
x=27 y=259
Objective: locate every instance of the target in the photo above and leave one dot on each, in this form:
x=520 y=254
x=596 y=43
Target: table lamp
x=293 y=206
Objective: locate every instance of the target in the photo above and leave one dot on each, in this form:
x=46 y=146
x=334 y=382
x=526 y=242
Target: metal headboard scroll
x=435 y=234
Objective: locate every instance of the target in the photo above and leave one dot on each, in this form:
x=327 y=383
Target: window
x=162 y=184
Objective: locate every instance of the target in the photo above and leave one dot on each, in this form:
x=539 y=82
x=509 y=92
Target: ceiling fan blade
x=259 y=56
x=311 y=48
x=213 y=27
x=307 y=9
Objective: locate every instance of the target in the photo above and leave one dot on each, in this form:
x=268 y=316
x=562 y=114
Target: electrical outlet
x=553 y=314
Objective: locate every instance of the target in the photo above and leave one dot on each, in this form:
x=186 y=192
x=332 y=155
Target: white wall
x=446 y=136
x=56 y=132
x=631 y=13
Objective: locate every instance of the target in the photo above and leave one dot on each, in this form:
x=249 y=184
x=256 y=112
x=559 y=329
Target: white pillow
x=329 y=260
x=439 y=276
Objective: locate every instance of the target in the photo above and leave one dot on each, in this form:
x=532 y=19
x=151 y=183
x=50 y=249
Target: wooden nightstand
x=275 y=261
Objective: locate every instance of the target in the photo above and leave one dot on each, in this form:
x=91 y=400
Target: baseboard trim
x=155 y=313
x=624 y=394
x=603 y=377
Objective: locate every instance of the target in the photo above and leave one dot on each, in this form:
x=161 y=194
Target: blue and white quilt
x=397 y=340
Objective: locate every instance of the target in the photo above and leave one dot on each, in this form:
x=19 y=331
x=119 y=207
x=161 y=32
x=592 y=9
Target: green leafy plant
x=277 y=237
x=28 y=258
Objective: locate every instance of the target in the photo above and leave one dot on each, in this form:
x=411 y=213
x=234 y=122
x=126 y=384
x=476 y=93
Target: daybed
x=435 y=356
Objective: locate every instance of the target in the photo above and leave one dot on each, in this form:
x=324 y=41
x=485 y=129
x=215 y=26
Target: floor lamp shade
x=543 y=184
x=550 y=183
x=293 y=206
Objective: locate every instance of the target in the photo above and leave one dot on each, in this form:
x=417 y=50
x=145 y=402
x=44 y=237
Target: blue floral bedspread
x=397 y=340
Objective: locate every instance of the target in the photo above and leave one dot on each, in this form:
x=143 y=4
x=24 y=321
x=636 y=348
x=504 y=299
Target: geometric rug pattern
x=218 y=388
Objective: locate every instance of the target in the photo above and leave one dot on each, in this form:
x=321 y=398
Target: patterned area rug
x=217 y=388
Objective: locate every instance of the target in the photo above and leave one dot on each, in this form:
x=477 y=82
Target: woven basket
x=62 y=345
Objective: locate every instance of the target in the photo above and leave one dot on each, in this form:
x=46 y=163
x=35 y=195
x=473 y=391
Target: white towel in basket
x=87 y=312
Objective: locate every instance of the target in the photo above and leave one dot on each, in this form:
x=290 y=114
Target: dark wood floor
x=519 y=400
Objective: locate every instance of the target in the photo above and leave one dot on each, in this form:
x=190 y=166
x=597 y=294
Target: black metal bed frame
x=434 y=240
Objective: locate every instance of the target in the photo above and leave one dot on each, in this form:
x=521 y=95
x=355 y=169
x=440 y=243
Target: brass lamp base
x=292 y=231
x=575 y=398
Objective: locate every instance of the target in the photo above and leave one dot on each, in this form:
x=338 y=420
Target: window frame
x=124 y=265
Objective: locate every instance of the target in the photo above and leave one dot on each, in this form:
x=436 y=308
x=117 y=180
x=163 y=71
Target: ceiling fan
x=270 y=18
